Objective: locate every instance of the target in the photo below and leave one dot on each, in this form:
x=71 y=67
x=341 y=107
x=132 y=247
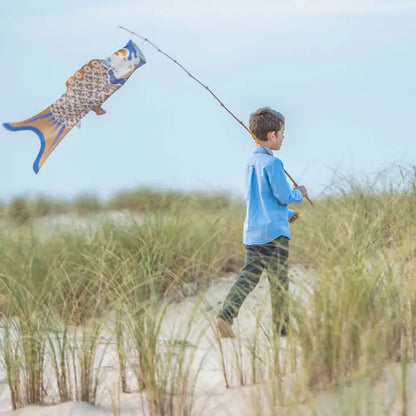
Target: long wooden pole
x=207 y=88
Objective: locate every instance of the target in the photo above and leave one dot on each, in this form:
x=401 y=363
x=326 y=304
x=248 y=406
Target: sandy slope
x=211 y=395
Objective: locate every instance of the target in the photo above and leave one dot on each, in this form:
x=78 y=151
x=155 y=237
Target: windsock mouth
x=135 y=53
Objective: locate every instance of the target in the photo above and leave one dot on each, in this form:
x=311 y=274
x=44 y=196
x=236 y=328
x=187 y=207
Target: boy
x=266 y=227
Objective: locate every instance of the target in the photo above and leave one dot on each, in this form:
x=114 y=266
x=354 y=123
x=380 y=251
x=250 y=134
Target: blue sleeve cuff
x=299 y=197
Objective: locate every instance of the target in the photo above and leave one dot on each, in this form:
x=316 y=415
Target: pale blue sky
x=341 y=71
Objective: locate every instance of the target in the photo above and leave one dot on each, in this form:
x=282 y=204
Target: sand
x=212 y=398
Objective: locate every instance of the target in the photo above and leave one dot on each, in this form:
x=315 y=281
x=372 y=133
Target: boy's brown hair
x=264 y=120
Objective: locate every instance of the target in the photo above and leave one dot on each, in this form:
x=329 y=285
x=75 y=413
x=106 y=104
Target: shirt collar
x=259 y=149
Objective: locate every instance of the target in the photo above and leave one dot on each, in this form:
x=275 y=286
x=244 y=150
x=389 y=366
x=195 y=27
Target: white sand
x=45 y=226
x=211 y=395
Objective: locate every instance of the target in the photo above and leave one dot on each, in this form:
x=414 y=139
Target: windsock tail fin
x=49 y=130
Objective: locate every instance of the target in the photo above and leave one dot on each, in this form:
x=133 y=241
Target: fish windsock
x=86 y=91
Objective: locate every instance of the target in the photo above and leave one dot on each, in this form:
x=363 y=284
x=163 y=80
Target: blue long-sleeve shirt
x=267 y=196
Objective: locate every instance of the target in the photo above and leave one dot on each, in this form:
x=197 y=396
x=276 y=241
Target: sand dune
x=211 y=395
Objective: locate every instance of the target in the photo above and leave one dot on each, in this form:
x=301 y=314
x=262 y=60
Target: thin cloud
x=237 y=8
x=188 y=13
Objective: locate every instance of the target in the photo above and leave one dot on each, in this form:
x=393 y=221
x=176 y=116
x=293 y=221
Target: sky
x=341 y=71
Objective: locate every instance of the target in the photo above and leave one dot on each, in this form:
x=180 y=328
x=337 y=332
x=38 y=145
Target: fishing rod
x=219 y=101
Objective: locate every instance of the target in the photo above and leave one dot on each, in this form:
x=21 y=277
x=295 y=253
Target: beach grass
x=56 y=292
x=353 y=311
x=352 y=307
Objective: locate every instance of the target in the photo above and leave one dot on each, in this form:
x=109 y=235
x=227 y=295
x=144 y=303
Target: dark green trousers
x=273 y=258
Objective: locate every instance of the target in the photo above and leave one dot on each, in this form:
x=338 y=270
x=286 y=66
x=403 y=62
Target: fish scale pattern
x=87 y=88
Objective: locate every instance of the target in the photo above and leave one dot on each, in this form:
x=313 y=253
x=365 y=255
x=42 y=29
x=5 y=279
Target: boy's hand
x=303 y=190
x=295 y=217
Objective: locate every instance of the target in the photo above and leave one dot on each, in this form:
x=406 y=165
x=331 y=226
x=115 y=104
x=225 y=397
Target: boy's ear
x=270 y=135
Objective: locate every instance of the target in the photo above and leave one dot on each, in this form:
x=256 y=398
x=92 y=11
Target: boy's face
x=275 y=138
